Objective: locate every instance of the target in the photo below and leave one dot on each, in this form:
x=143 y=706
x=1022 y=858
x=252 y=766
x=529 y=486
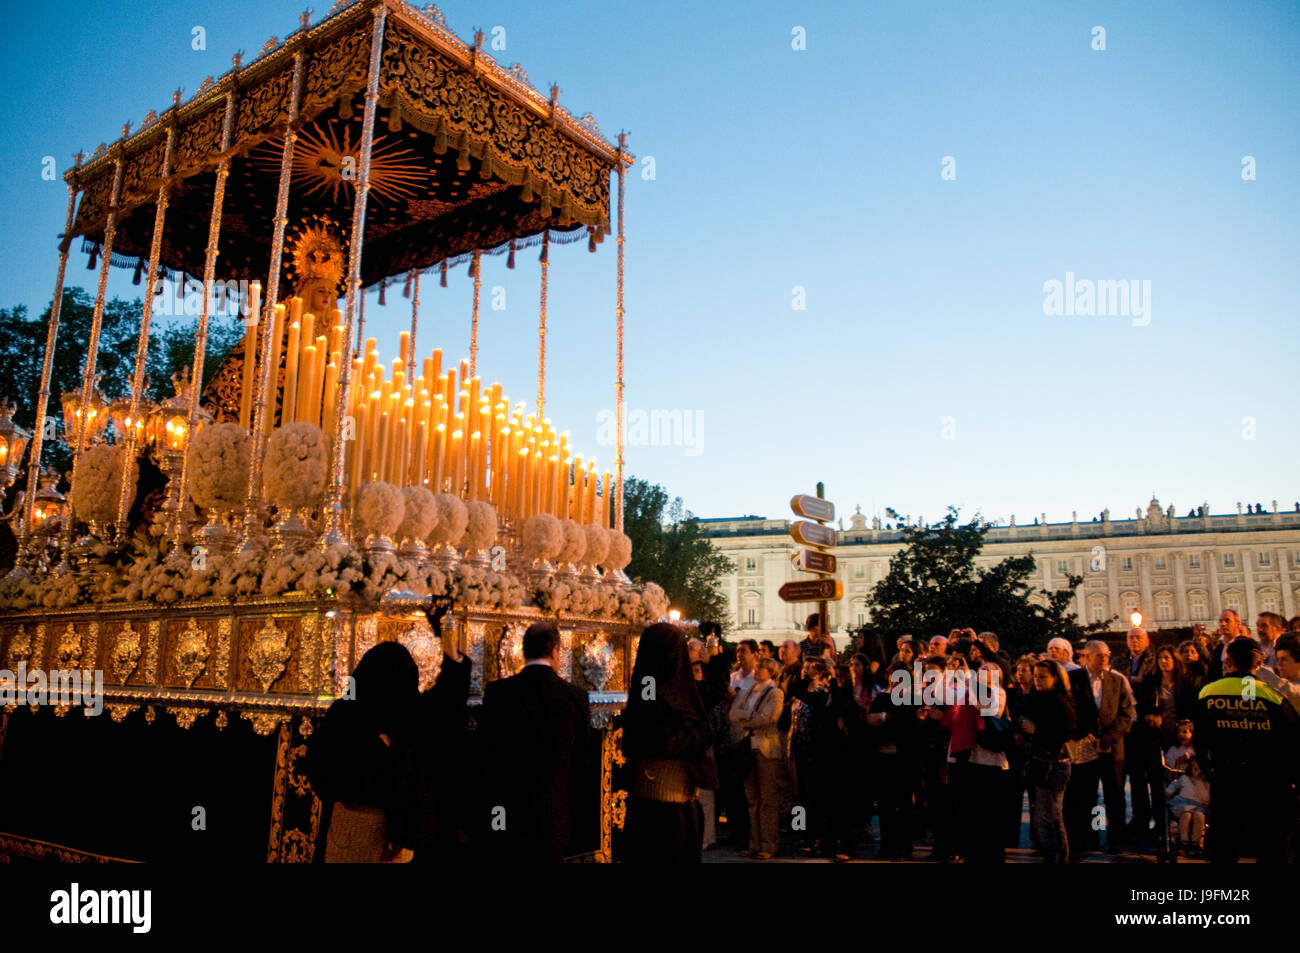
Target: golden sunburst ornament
x=327 y=163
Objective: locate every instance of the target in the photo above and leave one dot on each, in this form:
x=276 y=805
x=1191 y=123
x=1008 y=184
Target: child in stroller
x=1187 y=794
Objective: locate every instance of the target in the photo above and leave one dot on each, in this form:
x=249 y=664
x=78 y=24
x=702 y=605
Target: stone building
x=1176 y=570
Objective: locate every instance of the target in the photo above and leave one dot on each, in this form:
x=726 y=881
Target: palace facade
x=1175 y=570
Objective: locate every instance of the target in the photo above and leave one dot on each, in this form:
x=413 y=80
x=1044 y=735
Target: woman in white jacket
x=756 y=712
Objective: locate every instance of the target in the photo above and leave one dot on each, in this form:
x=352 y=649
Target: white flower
x=452 y=518
x=295 y=466
x=620 y=550
x=421 y=514
x=382 y=509
x=96 y=481
x=597 y=544
x=219 y=456
x=480 y=526
x=575 y=542
x=543 y=537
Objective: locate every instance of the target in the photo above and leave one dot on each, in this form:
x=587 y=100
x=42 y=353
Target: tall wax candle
x=419 y=474
x=250 y=355
x=305 y=373
x=439 y=443
x=289 y=412
x=606 y=508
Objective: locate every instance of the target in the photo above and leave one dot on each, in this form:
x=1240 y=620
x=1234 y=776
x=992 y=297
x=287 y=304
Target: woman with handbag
x=1047 y=722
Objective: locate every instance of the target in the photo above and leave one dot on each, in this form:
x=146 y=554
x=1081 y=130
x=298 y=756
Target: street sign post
x=810 y=560
x=812 y=590
x=813 y=534
x=813 y=508
x=822 y=538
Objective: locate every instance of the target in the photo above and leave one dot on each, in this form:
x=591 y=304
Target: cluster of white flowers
x=453 y=516
x=420 y=514
x=382 y=509
x=543 y=537
x=597 y=544
x=480 y=526
x=96 y=480
x=219 y=455
x=575 y=542
x=620 y=551
x=479 y=587
x=655 y=600
x=295 y=467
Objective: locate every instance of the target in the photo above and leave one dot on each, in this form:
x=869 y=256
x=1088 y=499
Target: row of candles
x=429 y=431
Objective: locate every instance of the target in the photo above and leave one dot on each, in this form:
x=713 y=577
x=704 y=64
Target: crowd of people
x=812 y=744
x=795 y=749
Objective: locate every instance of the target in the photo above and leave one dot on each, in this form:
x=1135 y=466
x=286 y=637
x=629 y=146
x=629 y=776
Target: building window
x=1232 y=601
x=1196 y=604
x=1265 y=559
x=1063 y=566
x=1194 y=561
x=751 y=616
x=1268 y=601
x=1164 y=607
x=1229 y=560
x=1097 y=609
x=1127 y=565
x=859 y=571
x=1160 y=562
x=751 y=564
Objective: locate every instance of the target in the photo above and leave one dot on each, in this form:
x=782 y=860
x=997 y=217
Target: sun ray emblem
x=327 y=164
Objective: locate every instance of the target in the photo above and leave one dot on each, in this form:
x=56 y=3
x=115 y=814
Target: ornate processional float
x=312 y=496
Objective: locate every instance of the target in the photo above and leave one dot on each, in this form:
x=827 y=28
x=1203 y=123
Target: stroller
x=1167 y=838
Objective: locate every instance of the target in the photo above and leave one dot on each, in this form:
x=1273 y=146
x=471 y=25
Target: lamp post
x=94 y=414
x=167 y=430
x=13 y=442
x=119 y=415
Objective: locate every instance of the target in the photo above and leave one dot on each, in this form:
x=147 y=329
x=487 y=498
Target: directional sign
x=813 y=534
x=810 y=560
x=811 y=508
x=812 y=590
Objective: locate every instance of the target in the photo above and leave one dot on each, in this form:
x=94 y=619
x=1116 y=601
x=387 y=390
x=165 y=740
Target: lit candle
x=357 y=450
x=379 y=468
x=302 y=409
x=374 y=422
x=434 y=374
x=419 y=472
x=404 y=348
x=308 y=334
x=331 y=399
x=318 y=382
x=278 y=319
x=606 y=510
x=475 y=442
x=553 y=503
x=439 y=443
x=401 y=460
x=368 y=363
x=290 y=407
x=456 y=456
x=250 y=354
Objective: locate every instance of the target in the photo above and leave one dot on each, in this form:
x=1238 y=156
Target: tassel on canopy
x=139 y=272
x=406 y=289
x=510 y=259
x=444 y=273
x=382 y=285
x=94 y=259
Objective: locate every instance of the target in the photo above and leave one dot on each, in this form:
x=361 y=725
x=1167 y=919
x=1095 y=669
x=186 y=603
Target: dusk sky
x=924 y=369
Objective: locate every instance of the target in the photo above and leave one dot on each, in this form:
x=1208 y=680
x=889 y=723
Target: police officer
x=1248 y=734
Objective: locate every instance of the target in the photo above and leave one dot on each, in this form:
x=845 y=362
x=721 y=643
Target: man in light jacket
x=755 y=713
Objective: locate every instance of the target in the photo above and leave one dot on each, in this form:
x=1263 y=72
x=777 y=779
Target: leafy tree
x=171 y=348
x=670 y=548
x=933 y=586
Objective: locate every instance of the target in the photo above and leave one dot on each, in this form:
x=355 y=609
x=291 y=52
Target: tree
x=670 y=548
x=933 y=586
x=171 y=349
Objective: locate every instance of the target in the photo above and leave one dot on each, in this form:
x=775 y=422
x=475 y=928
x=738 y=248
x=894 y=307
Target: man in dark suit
x=1136 y=664
x=535 y=730
x=1104 y=712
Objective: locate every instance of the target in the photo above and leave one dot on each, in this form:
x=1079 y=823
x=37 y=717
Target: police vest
x=1240 y=721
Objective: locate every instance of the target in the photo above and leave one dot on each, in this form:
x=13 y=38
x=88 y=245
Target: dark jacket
x=442 y=757
x=1053 y=718
x=535 y=729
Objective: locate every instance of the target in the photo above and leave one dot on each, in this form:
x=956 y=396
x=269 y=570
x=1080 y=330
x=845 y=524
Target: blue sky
x=923 y=371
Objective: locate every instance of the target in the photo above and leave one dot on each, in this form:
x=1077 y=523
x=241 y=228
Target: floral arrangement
x=480 y=526
x=453 y=516
x=575 y=542
x=597 y=544
x=96 y=480
x=219 y=455
x=420 y=514
x=381 y=510
x=480 y=587
x=295 y=466
x=543 y=537
x=620 y=551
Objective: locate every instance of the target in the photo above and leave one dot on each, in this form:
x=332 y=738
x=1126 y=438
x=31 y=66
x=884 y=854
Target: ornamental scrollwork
x=268 y=653
x=190 y=656
x=67 y=651
x=125 y=654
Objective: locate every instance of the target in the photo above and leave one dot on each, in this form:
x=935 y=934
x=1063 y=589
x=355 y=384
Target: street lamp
x=94 y=413
x=674 y=616
x=1136 y=618
x=13 y=441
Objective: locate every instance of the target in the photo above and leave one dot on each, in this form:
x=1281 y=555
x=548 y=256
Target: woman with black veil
x=666 y=736
x=362 y=761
